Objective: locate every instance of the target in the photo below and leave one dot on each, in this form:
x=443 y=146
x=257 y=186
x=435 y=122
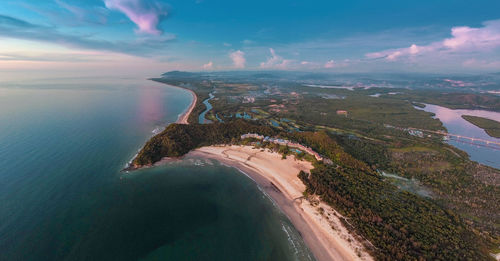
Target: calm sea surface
x=487 y=154
x=62 y=196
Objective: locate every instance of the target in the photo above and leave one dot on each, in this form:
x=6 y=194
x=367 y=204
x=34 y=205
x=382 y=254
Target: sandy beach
x=183 y=118
x=318 y=223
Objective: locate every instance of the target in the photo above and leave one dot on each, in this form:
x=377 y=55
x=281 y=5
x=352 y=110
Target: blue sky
x=152 y=36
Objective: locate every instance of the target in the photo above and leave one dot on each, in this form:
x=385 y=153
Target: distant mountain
x=179 y=74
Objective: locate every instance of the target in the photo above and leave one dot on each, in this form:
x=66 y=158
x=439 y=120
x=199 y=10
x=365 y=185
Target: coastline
x=318 y=224
x=183 y=118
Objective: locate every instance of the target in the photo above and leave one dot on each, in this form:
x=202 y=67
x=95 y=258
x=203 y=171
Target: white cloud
x=247 y=42
x=276 y=61
x=329 y=64
x=146 y=14
x=336 y=64
x=208 y=66
x=463 y=40
x=472 y=39
x=238 y=58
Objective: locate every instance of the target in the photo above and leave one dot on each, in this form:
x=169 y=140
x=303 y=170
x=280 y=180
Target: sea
x=63 y=196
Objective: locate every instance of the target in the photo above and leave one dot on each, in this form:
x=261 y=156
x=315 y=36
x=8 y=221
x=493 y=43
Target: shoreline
x=183 y=118
x=318 y=224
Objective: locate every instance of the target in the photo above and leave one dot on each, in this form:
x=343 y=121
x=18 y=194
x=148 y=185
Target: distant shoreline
x=184 y=117
x=278 y=179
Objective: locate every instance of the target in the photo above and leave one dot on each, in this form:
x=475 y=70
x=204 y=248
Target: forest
x=178 y=139
x=397 y=224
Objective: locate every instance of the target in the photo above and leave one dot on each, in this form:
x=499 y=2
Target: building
x=342 y=112
x=284 y=142
x=252 y=135
x=416 y=133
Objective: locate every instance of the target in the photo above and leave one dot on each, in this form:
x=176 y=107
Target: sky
x=148 y=37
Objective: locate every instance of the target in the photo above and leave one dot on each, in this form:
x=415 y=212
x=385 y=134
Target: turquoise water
x=63 y=197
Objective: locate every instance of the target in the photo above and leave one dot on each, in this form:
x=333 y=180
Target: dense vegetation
x=400 y=225
x=361 y=143
x=468 y=188
x=178 y=139
x=490 y=126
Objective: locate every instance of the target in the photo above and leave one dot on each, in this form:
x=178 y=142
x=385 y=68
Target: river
x=455 y=124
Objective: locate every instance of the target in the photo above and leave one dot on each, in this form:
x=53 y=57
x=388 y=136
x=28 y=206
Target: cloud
x=146 y=14
x=208 y=66
x=276 y=61
x=463 y=40
x=238 y=58
x=329 y=64
x=247 y=42
x=11 y=27
x=70 y=15
x=50 y=57
x=482 y=64
x=412 y=51
x=94 y=15
x=472 y=39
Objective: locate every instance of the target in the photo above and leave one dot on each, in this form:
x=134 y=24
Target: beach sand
x=318 y=224
x=183 y=118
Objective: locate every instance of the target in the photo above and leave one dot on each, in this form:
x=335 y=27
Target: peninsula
x=331 y=173
x=491 y=127
x=319 y=224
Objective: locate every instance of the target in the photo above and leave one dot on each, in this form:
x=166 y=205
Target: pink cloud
x=238 y=58
x=208 y=66
x=337 y=64
x=329 y=64
x=463 y=39
x=146 y=14
x=276 y=61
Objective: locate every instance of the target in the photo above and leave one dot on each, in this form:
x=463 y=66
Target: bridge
x=462 y=138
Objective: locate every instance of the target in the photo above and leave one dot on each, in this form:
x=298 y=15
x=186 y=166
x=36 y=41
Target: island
x=334 y=160
x=491 y=127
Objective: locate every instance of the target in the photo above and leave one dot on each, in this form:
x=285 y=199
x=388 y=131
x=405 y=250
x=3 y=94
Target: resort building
x=288 y=143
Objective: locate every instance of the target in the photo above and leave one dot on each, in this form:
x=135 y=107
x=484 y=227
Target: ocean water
x=63 y=143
